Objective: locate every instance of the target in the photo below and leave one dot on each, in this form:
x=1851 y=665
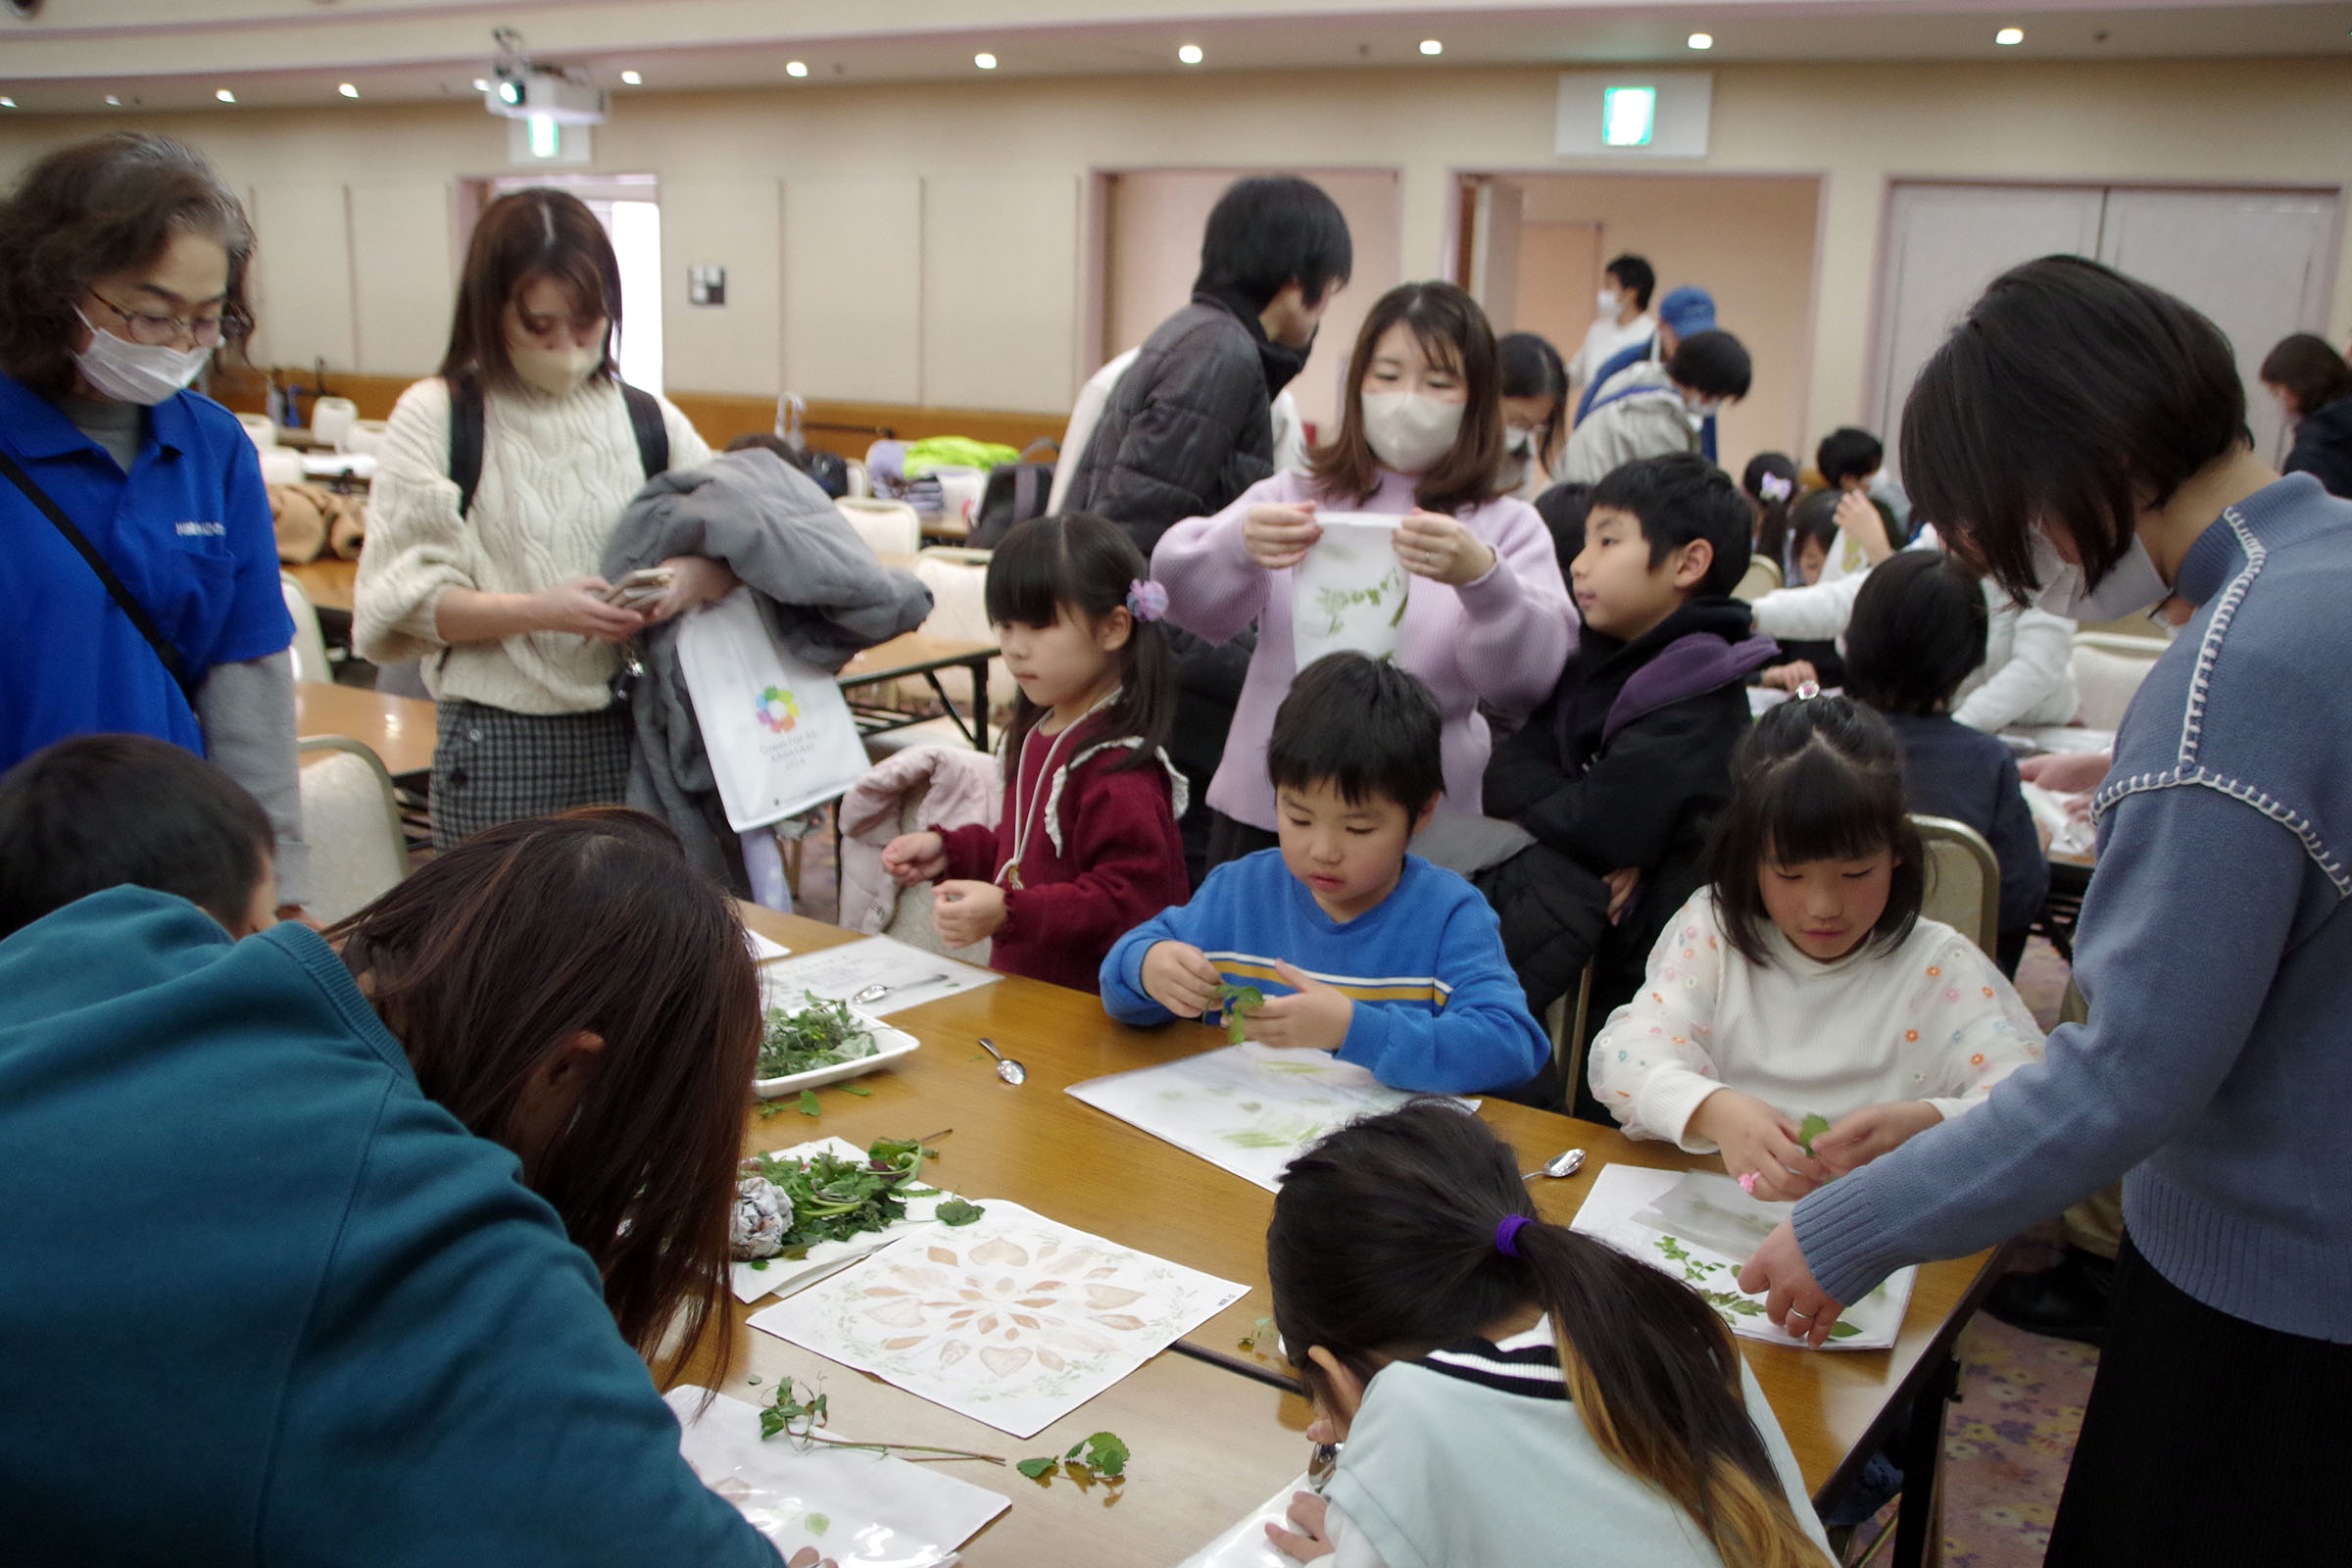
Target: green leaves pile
x=834 y=1198
x=819 y=1035
x=1101 y=1458
x=1240 y=1002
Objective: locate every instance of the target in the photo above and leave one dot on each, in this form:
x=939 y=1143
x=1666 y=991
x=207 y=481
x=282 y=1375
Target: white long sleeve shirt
x=2027 y=677
x=1934 y=1020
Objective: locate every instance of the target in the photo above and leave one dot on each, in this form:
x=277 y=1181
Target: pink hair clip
x=1147 y=600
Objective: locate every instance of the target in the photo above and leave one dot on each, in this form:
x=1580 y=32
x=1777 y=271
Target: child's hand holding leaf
x=1859 y=1137
x=1180 y=979
x=1757 y=1140
x=1314 y=1015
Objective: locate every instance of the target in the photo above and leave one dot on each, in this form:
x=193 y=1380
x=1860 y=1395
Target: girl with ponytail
x=1509 y=1390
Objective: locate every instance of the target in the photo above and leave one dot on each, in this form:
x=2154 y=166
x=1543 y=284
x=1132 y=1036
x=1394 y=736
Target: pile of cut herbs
x=834 y=1198
x=821 y=1034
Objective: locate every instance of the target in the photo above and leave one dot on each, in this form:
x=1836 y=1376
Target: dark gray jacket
x=822 y=596
x=1188 y=426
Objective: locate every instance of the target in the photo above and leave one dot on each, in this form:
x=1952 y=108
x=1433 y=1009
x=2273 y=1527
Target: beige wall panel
x=1000 y=290
x=738 y=346
x=301 y=279
x=403 y=285
x=853 y=290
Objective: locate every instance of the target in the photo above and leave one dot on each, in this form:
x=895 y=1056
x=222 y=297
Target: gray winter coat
x=822 y=594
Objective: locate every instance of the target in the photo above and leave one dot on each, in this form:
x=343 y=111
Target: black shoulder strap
x=466 y=420
x=173 y=664
x=652 y=436
x=467 y=424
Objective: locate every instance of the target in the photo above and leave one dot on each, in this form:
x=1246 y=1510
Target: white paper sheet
x=1248 y=1108
x=1014 y=1319
x=1246 y=1546
x=2053 y=814
x=784 y=1275
x=763 y=948
x=838 y=973
x=1621 y=1192
x=855 y=1506
x=1349 y=592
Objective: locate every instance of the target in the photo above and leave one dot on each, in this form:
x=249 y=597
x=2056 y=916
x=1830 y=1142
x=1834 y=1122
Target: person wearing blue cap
x=1684 y=313
x=1657 y=407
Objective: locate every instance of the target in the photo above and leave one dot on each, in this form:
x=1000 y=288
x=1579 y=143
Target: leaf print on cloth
x=1013 y=1319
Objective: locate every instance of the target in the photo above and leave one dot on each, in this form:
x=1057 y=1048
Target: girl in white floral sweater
x=1803 y=981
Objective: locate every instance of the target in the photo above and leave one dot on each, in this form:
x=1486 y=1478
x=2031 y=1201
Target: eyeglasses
x=158 y=331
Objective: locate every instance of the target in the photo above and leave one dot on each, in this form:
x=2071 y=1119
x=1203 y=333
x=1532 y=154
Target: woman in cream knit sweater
x=499 y=598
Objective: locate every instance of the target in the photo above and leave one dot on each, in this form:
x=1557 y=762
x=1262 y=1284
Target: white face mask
x=1697 y=409
x=558 y=372
x=136 y=372
x=1518 y=441
x=2132 y=587
x=1410 y=431
x=1606 y=299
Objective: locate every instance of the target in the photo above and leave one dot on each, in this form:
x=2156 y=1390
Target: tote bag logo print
x=778 y=711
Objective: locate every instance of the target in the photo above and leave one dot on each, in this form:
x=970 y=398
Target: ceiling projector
x=542 y=92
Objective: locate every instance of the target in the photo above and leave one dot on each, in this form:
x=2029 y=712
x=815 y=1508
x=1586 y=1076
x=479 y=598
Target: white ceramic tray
x=890 y=1045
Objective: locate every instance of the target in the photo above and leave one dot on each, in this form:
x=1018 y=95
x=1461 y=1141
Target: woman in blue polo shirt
x=140 y=571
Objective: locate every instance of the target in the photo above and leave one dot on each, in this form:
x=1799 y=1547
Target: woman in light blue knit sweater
x=2082 y=435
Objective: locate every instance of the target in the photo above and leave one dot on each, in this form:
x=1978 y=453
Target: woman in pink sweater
x=1488 y=619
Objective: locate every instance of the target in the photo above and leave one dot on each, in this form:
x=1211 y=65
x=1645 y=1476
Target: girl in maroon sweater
x=1087 y=846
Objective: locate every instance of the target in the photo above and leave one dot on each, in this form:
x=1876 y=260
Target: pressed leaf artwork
x=1010 y=1318
x=1250 y=1108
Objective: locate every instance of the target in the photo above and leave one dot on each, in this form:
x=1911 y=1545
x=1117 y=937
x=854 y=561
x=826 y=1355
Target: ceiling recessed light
x=632 y=79
x=112 y=99
x=225 y=95
x=347 y=90
x=1190 y=54
x=482 y=85
x=1430 y=46
x=1700 y=40
x=985 y=62
x=796 y=68
x=7 y=102
x=2009 y=35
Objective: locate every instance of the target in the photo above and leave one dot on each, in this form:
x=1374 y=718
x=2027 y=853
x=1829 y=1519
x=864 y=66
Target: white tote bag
x=1350 y=591
x=777 y=730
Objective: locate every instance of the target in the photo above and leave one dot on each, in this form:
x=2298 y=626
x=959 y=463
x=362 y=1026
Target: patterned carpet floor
x=2009 y=1439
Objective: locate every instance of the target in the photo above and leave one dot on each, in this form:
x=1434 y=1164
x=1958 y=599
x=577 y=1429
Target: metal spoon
x=1567 y=1162
x=878 y=992
x=1012 y=1072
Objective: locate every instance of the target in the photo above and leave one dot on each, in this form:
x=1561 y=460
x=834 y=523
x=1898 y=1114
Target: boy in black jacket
x=1619 y=772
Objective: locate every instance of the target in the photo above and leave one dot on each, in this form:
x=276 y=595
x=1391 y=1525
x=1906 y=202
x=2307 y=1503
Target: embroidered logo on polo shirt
x=201 y=530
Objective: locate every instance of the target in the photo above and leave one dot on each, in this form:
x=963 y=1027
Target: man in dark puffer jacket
x=1188 y=426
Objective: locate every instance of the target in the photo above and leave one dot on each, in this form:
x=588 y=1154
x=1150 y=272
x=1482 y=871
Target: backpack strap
x=652 y=436
x=465 y=424
x=467 y=421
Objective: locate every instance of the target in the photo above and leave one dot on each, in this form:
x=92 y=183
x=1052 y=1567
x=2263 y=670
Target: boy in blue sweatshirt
x=1359 y=948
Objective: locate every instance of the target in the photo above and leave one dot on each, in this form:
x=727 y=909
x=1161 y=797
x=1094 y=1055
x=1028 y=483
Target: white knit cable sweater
x=555 y=475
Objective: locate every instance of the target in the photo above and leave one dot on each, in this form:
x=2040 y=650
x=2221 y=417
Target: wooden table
x=915 y=654
x=400 y=730
x=1040 y=1147
x=327 y=582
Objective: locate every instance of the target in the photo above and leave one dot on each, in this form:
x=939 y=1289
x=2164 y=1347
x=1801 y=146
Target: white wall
x=866 y=282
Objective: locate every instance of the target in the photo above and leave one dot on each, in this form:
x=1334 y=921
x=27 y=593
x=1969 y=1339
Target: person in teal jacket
x=350 y=1248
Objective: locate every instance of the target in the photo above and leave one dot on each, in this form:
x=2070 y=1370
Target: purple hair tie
x=1147 y=600
x=1506 y=1234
